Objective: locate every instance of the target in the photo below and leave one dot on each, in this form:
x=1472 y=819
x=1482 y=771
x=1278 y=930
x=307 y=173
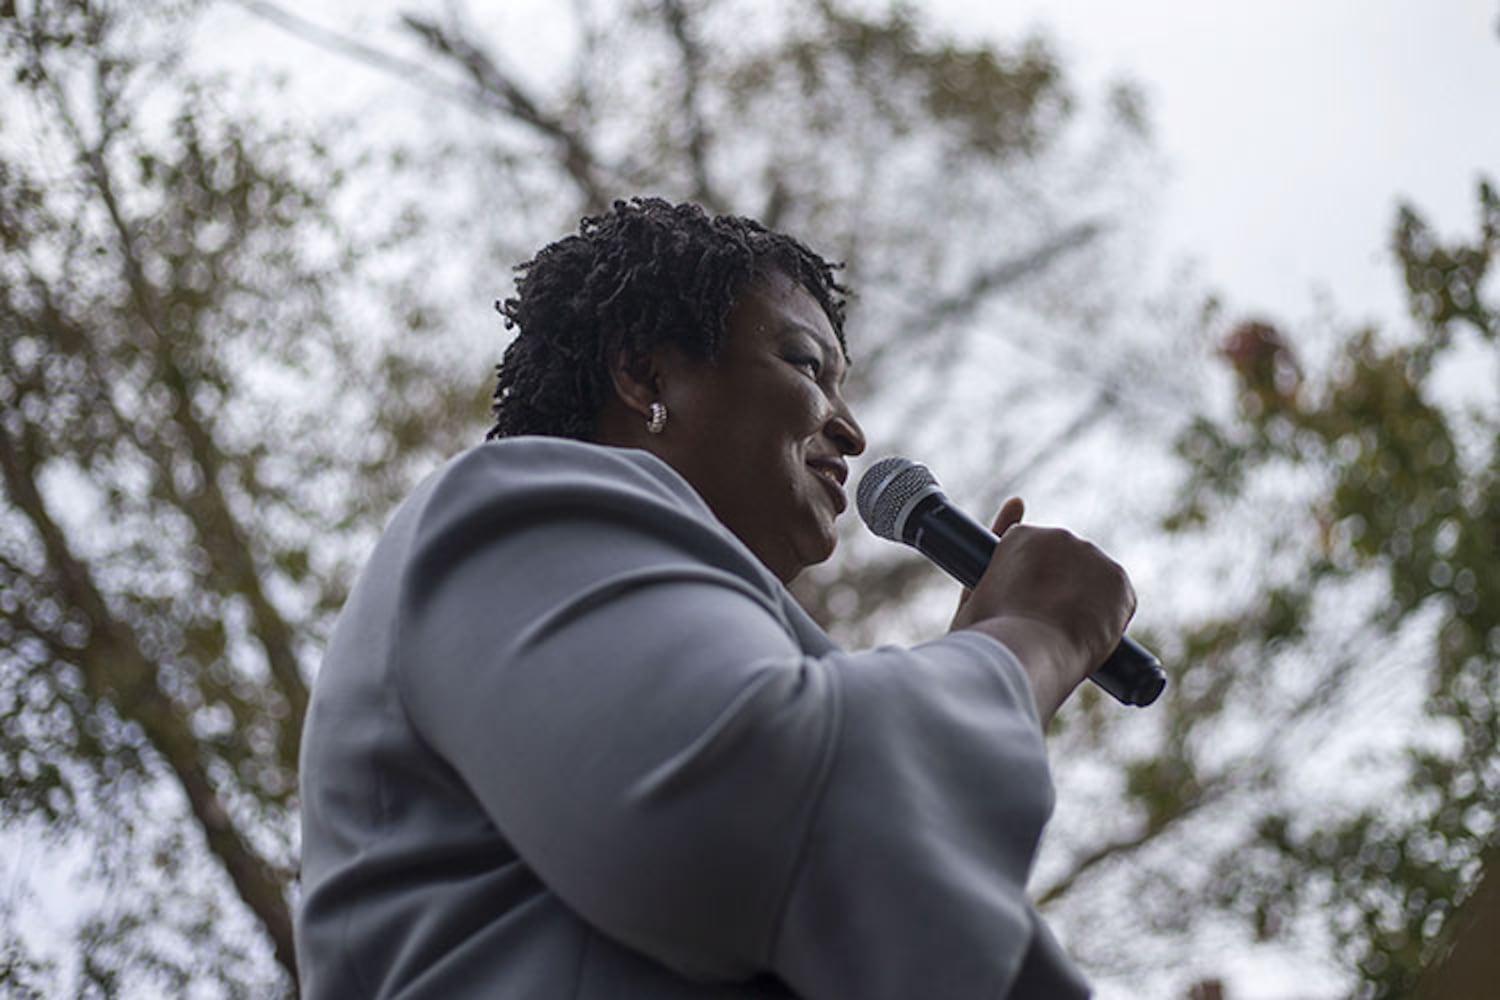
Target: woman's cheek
x=814 y=406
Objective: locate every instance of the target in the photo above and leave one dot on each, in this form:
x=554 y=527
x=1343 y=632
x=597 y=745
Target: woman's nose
x=845 y=430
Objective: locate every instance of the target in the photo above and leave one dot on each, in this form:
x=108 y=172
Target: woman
x=573 y=737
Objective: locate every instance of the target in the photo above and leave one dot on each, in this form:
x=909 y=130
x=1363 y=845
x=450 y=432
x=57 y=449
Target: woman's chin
x=819 y=552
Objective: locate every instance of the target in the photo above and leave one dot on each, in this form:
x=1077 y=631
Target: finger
x=1010 y=515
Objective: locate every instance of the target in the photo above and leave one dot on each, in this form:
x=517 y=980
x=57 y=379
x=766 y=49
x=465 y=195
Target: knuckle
x=1057 y=536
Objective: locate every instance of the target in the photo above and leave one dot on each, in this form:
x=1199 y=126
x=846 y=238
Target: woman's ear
x=637 y=382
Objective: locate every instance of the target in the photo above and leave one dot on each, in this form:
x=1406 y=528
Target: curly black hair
x=644 y=274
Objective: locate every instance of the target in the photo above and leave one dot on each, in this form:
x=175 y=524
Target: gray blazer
x=572 y=740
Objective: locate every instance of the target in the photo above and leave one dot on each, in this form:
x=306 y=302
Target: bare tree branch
x=1124 y=845
x=491 y=91
x=507 y=96
x=218 y=528
x=116 y=670
x=939 y=312
x=1469 y=965
x=407 y=70
x=1008 y=273
x=692 y=85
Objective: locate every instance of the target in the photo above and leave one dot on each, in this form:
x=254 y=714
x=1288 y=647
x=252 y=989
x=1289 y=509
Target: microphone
x=901 y=501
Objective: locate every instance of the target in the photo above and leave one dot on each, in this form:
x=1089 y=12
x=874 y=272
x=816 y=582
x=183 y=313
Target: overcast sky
x=1292 y=128
x=1289 y=129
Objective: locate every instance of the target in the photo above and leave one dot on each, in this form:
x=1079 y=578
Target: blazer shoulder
x=538 y=468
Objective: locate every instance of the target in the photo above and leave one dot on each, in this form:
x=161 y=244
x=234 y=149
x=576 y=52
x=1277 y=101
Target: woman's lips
x=829 y=477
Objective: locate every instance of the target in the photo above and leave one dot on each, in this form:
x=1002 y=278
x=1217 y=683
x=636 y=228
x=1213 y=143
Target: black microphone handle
x=957 y=543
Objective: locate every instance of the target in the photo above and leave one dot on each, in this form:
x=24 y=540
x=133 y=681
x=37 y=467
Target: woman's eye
x=812 y=365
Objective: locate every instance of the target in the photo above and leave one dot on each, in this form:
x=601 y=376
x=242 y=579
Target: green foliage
x=1445 y=283
x=998 y=104
x=175 y=478
x=1406 y=488
x=22 y=976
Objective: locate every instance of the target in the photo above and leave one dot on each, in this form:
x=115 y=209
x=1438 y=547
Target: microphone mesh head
x=885 y=491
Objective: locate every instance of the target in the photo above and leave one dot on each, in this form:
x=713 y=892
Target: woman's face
x=762 y=433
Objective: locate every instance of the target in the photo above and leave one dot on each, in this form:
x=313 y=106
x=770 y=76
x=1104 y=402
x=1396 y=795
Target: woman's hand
x=1058 y=602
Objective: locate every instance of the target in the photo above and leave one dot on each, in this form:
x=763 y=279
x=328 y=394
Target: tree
x=213 y=391
x=189 y=446
x=1385 y=457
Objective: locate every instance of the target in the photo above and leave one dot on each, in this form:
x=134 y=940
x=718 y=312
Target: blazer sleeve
x=610 y=673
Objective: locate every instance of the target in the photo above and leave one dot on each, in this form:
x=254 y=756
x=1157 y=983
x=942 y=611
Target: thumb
x=1010 y=515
